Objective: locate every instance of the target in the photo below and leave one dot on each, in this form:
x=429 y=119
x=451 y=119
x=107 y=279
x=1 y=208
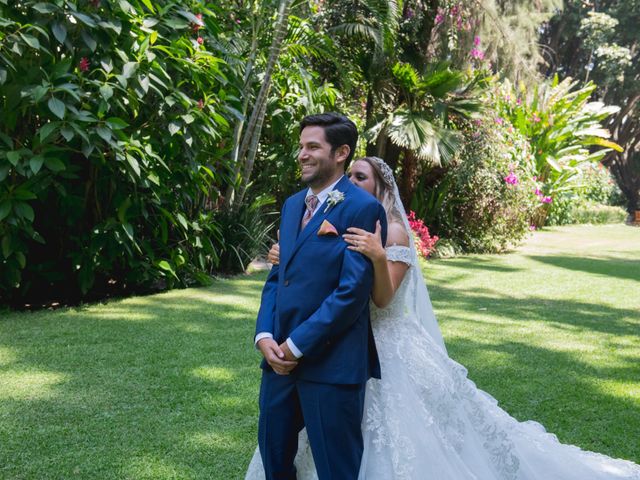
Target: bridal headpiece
x=387 y=173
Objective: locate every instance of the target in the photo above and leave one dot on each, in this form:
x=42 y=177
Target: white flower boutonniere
x=335 y=197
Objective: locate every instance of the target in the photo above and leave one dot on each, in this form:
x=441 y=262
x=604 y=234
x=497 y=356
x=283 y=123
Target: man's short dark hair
x=338 y=130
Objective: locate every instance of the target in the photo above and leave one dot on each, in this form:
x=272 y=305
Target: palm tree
x=247 y=144
x=421 y=125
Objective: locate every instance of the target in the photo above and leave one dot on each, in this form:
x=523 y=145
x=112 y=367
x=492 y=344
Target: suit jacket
x=319 y=294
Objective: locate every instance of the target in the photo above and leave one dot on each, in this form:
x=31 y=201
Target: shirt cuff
x=260 y=336
x=292 y=346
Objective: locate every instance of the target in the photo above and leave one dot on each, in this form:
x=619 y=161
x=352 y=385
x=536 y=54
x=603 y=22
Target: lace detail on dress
x=424 y=399
x=398 y=253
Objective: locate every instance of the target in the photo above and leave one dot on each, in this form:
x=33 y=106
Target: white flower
x=335 y=197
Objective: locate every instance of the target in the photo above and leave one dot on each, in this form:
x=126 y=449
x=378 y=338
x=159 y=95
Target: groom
x=313 y=326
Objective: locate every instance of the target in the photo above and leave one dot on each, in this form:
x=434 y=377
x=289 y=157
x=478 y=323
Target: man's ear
x=342 y=153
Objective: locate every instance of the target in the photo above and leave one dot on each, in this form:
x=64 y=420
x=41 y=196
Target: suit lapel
x=290 y=227
x=343 y=185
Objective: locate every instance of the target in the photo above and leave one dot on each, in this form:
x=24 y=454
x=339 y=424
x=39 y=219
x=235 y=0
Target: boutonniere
x=335 y=197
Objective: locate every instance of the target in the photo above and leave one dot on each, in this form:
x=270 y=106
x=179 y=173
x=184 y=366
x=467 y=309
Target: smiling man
x=313 y=326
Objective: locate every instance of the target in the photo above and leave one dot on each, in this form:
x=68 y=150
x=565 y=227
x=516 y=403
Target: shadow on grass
x=564 y=313
x=625 y=268
x=479 y=263
x=153 y=387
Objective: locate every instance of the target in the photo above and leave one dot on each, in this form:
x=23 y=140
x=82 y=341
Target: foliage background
x=147 y=144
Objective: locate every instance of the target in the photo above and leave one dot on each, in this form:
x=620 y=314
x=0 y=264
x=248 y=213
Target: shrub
x=563 y=128
x=485 y=200
x=113 y=113
x=574 y=209
x=243 y=234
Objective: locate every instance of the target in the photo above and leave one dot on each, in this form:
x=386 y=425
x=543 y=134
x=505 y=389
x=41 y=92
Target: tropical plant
x=110 y=145
x=423 y=125
x=599 y=41
x=564 y=128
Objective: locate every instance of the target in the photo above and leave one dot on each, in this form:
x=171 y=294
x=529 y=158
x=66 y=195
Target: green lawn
x=165 y=386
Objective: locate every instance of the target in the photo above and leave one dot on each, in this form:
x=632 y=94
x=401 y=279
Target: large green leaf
x=57 y=107
x=5 y=209
x=36 y=163
x=47 y=129
x=24 y=210
x=13 y=157
x=59 y=31
x=30 y=40
x=54 y=164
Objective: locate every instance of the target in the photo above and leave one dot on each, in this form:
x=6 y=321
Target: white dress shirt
x=322 y=197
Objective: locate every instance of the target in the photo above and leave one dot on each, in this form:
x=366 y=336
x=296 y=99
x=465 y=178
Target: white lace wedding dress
x=425 y=420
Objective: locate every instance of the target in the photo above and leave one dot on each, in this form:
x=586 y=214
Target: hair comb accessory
x=387 y=173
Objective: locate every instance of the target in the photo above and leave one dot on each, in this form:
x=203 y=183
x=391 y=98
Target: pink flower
x=535 y=178
x=200 y=40
x=478 y=54
x=546 y=199
x=511 y=179
x=425 y=243
x=538 y=192
x=200 y=104
x=84 y=64
x=499 y=120
x=197 y=25
x=519 y=102
x=532 y=228
x=455 y=10
x=476 y=41
x=439 y=18
x=535 y=118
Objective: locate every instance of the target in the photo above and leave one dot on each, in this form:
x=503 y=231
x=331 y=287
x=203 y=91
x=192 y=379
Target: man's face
x=318 y=164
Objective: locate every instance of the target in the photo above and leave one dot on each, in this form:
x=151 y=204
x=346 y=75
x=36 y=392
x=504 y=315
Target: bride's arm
x=387 y=274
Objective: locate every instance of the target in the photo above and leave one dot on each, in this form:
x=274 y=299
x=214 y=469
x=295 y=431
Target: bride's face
x=361 y=175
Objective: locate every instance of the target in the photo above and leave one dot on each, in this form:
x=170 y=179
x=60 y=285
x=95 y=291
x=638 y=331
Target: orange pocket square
x=327 y=229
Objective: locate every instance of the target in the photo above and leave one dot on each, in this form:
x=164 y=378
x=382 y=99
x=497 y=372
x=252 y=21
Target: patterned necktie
x=312 y=203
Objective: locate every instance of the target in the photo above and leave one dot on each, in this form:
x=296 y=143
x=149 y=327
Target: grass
x=165 y=386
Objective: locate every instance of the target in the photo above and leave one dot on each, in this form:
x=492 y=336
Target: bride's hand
x=369 y=244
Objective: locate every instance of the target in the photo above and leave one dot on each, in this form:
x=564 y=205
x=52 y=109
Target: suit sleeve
x=345 y=304
x=267 y=312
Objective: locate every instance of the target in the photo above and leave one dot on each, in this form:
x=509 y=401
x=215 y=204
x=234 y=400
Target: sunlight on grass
x=7 y=356
x=29 y=385
x=213 y=440
x=150 y=467
x=166 y=386
x=214 y=373
x=627 y=389
x=130 y=316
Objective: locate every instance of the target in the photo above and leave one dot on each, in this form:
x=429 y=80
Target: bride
x=425 y=419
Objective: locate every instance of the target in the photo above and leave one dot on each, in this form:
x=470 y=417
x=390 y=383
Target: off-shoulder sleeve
x=399 y=253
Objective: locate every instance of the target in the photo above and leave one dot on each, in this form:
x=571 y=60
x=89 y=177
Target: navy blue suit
x=319 y=297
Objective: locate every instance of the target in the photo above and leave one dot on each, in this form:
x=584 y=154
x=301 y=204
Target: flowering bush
x=486 y=198
x=562 y=126
x=425 y=243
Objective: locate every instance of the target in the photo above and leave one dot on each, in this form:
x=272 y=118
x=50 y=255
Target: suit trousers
x=332 y=415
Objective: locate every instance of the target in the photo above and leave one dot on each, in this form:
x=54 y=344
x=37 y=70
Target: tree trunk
x=409 y=179
x=251 y=137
